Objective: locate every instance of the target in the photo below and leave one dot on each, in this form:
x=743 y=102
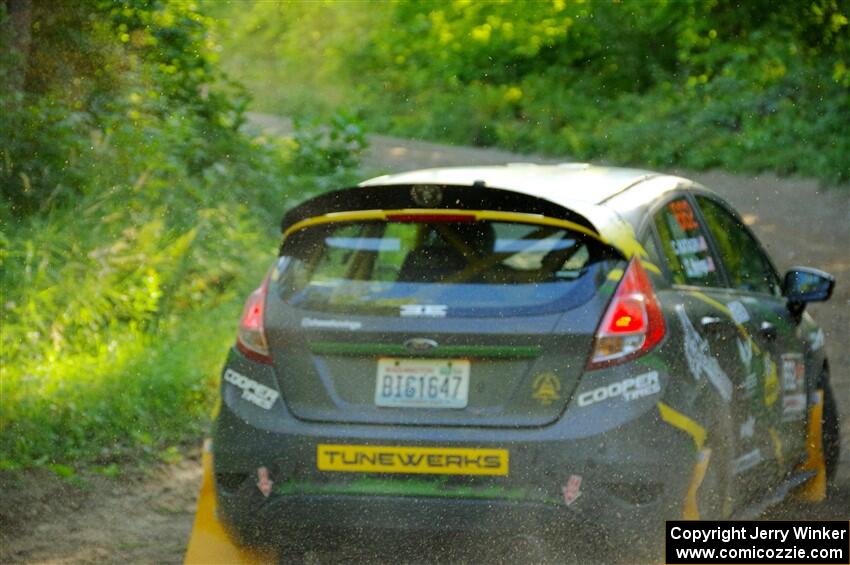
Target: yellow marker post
x=209 y=543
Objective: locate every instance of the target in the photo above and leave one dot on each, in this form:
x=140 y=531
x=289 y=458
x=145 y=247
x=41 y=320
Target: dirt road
x=147 y=517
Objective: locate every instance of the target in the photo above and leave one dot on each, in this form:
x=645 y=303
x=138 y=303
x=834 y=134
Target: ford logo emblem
x=419 y=344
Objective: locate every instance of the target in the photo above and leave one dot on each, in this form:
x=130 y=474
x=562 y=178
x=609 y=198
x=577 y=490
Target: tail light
x=251 y=338
x=633 y=323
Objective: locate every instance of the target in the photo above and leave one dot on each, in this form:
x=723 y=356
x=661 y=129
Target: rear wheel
x=713 y=497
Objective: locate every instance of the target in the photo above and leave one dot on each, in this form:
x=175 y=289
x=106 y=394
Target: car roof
x=612 y=199
x=567 y=184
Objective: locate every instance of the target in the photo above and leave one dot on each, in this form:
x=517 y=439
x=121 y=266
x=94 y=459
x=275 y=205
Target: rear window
x=478 y=268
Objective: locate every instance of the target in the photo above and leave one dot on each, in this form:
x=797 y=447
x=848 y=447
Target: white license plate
x=422 y=383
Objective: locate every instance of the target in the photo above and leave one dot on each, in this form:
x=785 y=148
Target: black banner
x=745 y=542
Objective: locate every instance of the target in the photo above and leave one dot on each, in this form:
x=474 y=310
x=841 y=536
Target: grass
x=136 y=214
x=143 y=390
x=120 y=307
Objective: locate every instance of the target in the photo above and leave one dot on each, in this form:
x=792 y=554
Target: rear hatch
x=456 y=319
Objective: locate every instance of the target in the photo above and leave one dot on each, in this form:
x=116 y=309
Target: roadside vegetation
x=137 y=210
x=136 y=215
x=744 y=86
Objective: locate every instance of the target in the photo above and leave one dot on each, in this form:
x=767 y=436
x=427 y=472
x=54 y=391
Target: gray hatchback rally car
x=521 y=348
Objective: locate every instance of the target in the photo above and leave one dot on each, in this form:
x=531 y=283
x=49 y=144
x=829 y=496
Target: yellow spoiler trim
x=360 y=215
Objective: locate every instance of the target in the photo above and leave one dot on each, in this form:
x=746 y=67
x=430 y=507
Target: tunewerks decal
x=406 y=459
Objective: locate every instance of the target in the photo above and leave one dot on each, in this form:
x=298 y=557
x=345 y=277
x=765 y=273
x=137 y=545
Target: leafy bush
x=327 y=149
x=135 y=216
x=747 y=87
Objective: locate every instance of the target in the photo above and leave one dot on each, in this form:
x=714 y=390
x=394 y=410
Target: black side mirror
x=803 y=284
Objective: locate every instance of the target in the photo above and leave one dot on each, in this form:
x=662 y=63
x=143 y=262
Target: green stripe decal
x=448 y=351
x=416 y=488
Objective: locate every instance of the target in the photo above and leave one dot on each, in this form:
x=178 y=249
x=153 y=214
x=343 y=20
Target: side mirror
x=803 y=284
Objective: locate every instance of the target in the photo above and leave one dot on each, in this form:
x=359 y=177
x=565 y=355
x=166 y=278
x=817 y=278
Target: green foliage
x=327 y=149
x=98 y=72
x=756 y=86
x=136 y=216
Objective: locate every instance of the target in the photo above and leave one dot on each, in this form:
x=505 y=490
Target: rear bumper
x=307 y=521
x=632 y=477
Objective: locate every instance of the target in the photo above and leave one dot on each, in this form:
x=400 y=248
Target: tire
x=831 y=434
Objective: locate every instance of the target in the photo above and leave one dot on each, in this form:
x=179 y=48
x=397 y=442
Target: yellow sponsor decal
x=419 y=460
x=771 y=381
x=679 y=420
x=545 y=388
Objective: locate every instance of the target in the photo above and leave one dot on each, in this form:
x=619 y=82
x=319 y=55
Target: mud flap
x=815 y=489
x=209 y=542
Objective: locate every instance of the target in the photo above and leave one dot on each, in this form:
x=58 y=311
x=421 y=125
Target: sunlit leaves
x=662 y=83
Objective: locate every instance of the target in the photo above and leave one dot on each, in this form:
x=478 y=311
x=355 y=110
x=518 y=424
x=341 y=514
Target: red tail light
x=633 y=323
x=251 y=338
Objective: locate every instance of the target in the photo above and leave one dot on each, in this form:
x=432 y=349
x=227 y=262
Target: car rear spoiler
x=398 y=197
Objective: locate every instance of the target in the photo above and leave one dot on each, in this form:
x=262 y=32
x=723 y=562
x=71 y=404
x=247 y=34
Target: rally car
x=520 y=348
